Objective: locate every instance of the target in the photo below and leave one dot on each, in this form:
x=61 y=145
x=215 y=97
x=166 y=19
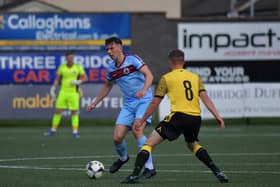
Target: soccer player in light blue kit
x=134 y=78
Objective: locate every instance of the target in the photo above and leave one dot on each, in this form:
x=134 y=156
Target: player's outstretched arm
x=148 y=81
x=211 y=107
x=105 y=90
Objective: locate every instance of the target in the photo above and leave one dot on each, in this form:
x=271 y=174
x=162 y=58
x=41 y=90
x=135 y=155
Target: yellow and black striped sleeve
x=201 y=86
x=161 y=88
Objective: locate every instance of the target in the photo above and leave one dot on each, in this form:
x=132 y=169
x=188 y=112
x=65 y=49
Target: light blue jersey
x=130 y=80
x=128 y=77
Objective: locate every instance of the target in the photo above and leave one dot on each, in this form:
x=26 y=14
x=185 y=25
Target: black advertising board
x=236 y=71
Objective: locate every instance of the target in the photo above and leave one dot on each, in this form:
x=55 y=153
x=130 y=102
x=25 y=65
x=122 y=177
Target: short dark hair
x=113 y=39
x=69 y=53
x=176 y=54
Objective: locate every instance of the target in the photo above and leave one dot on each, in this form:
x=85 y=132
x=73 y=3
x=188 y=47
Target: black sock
x=204 y=157
x=141 y=159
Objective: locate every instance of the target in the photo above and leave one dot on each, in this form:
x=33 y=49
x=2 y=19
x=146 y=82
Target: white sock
x=75 y=131
x=124 y=158
x=149 y=165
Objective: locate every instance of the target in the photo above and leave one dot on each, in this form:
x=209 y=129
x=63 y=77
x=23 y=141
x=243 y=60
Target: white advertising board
x=229 y=41
x=238 y=100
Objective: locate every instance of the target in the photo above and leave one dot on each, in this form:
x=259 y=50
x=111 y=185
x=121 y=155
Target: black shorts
x=178 y=124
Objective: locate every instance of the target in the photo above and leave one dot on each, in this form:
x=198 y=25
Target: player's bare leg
x=120 y=146
x=55 y=122
x=138 y=133
x=204 y=157
x=143 y=156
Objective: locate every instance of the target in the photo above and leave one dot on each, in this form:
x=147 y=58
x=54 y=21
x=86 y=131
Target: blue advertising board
x=61 y=31
x=40 y=68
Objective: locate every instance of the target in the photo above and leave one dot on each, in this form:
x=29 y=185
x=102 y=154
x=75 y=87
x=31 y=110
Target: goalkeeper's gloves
x=52 y=92
x=76 y=82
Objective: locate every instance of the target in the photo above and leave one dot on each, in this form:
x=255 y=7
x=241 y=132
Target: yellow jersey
x=183 y=88
x=68 y=74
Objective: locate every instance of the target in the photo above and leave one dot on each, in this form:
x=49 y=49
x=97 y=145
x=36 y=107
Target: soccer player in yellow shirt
x=69 y=76
x=184 y=89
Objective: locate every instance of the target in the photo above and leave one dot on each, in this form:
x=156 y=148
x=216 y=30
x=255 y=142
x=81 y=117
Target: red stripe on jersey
x=122 y=72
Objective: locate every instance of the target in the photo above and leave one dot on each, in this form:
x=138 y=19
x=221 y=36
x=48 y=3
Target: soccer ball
x=95 y=169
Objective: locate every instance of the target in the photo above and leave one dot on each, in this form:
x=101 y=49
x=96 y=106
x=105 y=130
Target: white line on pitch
x=40 y=168
x=242 y=135
x=155 y=155
x=186 y=164
x=126 y=170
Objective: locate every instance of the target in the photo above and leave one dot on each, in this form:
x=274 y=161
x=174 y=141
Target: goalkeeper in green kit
x=70 y=76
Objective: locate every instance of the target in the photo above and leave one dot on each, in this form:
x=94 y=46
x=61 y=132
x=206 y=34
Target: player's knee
x=137 y=132
x=191 y=145
x=74 y=112
x=58 y=111
x=117 y=139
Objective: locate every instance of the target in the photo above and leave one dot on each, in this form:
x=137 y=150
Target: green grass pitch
x=249 y=155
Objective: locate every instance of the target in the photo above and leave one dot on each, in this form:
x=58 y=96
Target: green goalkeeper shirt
x=68 y=74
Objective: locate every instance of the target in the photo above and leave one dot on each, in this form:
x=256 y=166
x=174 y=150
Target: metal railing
x=241 y=5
